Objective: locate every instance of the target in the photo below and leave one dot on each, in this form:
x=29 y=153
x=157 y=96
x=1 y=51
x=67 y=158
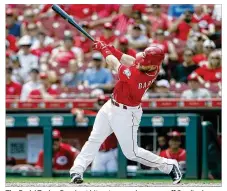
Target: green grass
x=96 y=180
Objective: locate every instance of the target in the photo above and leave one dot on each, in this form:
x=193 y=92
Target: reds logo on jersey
x=144 y=85
x=127 y=73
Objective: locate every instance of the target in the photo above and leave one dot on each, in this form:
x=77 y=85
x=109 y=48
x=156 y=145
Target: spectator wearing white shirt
x=137 y=39
x=195 y=92
x=33 y=84
x=26 y=58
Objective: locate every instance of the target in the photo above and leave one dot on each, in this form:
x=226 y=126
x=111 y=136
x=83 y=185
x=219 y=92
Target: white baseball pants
x=105 y=162
x=124 y=123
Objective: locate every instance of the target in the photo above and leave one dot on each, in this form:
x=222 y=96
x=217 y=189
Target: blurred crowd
x=46 y=58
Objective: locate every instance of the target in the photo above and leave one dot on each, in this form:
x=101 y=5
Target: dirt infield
x=113 y=184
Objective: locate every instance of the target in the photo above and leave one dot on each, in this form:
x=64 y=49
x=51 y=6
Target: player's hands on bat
x=101 y=47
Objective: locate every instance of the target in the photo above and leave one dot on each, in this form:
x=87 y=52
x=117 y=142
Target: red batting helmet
x=152 y=55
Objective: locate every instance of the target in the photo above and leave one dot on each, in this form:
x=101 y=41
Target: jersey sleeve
x=124 y=73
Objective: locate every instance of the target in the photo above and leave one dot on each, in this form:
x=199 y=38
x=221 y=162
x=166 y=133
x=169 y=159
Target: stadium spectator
x=7 y=58
x=33 y=84
x=162 y=143
x=63 y=154
x=63 y=54
x=108 y=35
x=166 y=45
x=124 y=47
x=26 y=58
x=182 y=71
x=204 y=21
x=13 y=89
x=212 y=71
x=12 y=24
x=195 y=92
x=98 y=77
x=18 y=75
x=123 y=20
x=48 y=90
x=195 y=42
x=137 y=39
x=11 y=41
x=162 y=89
x=182 y=26
x=43 y=45
x=158 y=19
x=176 y=11
x=174 y=151
x=74 y=77
x=30 y=18
x=208 y=47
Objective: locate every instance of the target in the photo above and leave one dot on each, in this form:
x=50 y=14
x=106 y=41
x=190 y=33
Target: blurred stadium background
x=54 y=81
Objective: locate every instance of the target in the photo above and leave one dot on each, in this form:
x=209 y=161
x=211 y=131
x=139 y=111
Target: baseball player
x=122 y=113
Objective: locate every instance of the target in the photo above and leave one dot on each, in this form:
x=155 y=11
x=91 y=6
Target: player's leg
x=112 y=164
x=101 y=130
x=98 y=165
x=125 y=127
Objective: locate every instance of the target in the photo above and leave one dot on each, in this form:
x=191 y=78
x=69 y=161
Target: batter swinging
x=122 y=113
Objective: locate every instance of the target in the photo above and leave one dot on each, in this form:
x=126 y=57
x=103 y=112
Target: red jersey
x=203 y=21
x=62 y=159
x=109 y=143
x=163 y=45
x=160 y=22
x=179 y=156
x=41 y=51
x=12 y=42
x=84 y=43
x=183 y=30
x=109 y=40
x=131 y=52
x=132 y=85
x=209 y=75
x=198 y=58
x=13 y=90
x=63 y=57
x=36 y=94
x=81 y=11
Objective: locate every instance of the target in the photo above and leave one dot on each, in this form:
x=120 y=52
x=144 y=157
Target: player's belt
x=119 y=105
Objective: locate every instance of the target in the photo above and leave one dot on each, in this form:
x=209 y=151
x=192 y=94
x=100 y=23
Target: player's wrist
x=118 y=54
x=105 y=52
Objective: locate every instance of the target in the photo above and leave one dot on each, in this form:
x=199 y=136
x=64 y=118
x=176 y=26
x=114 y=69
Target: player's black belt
x=117 y=104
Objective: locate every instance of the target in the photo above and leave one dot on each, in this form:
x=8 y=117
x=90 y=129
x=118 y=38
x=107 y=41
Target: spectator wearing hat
x=63 y=154
x=74 y=77
x=208 y=47
x=167 y=46
x=162 y=89
x=158 y=19
x=67 y=51
x=182 y=26
x=195 y=92
x=13 y=89
x=31 y=85
x=174 y=151
x=203 y=20
x=108 y=35
x=123 y=46
x=212 y=71
x=137 y=39
x=182 y=71
x=13 y=26
x=26 y=58
x=98 y=77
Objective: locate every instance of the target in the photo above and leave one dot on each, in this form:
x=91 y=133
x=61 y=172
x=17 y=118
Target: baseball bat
x=70 y=20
